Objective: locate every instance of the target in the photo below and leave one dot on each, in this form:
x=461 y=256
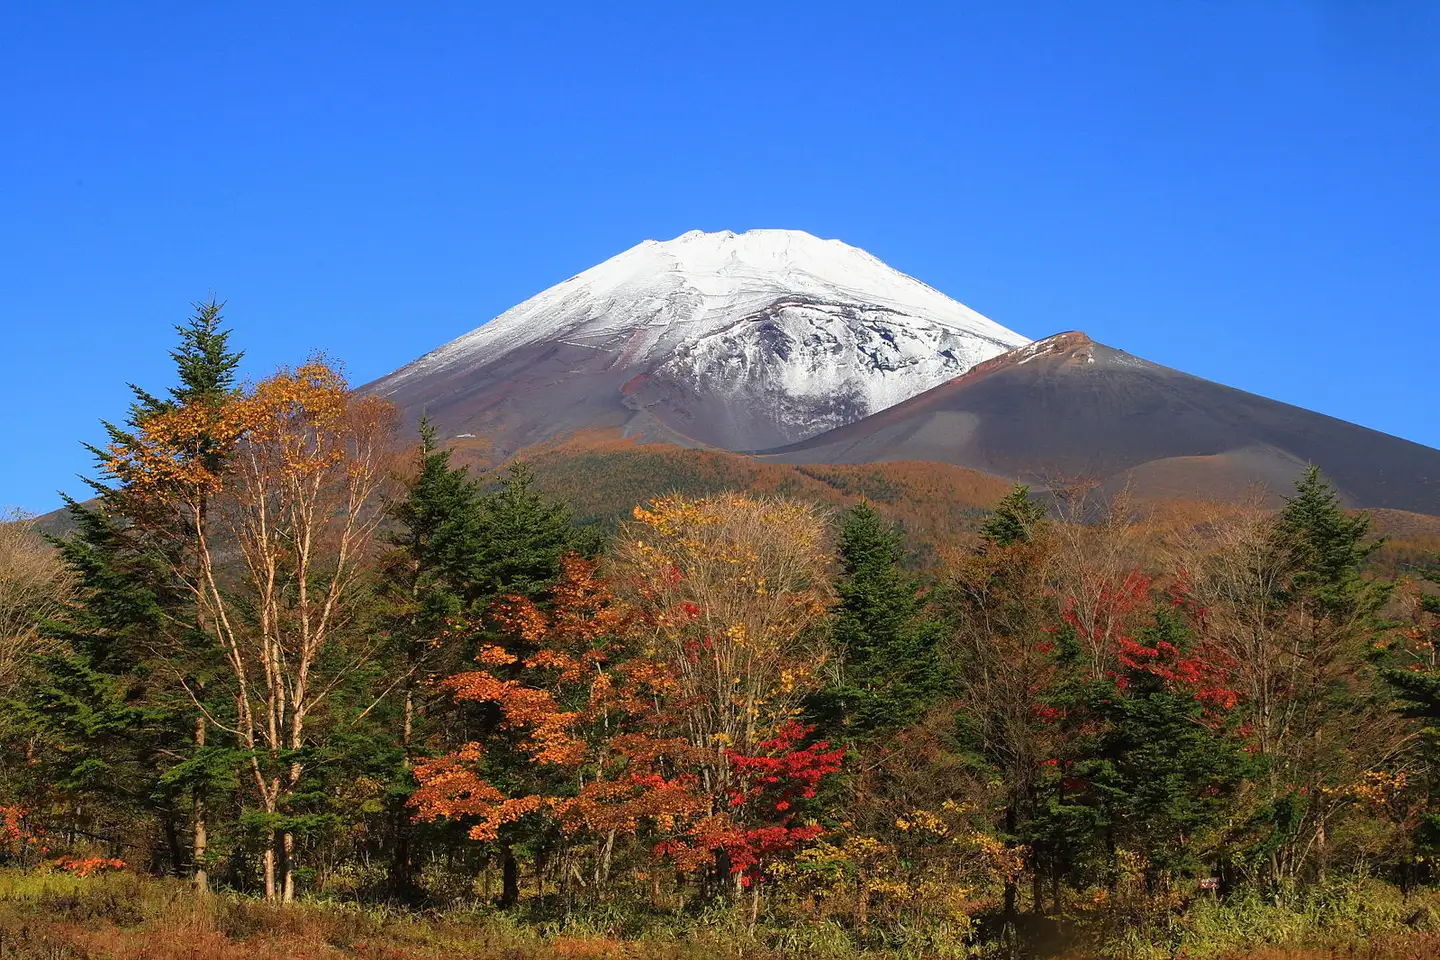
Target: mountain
x=1070 y=408
x=740 y=341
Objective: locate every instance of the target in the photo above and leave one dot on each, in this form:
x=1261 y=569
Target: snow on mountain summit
x=737 y=339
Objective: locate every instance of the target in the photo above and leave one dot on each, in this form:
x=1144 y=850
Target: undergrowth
x=122 y=916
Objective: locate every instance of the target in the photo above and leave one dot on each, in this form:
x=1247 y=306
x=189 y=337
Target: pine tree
x=1328 y=549
x=135 y=630
x=1319 y=677
x=438 y=534
x=459 y=549
x=1416 y=684
x=86 y=708
x=885 y=642
x=1165 y=764
x=1015 y=518
x=522 y=538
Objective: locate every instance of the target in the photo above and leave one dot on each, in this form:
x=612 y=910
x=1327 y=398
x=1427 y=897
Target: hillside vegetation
x=292 y=686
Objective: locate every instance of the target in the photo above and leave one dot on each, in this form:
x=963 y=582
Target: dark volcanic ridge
x=1067 y=408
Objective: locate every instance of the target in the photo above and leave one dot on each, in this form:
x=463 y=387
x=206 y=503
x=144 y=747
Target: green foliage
x=524 y=537
x=1164 y=766
x=1091 y=741
x=1328 y=548
x=885 y=642
x=1015 y=518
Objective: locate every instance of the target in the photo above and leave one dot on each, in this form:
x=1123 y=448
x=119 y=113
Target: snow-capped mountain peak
x=738 y=340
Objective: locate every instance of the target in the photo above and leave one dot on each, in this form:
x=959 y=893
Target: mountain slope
x=1067 y=407
x=739 y=341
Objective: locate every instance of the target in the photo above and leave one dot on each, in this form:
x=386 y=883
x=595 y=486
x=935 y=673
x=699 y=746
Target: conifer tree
x=1014 y=519
x=1418 y=683
x=1324 y=683
x=1328 y=549
x=134 y=630
x=437 y=537
x=885 y=643
x=523 y=537
x=1162 y=765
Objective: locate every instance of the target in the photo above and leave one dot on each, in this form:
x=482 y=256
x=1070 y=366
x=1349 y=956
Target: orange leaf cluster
x=580 y=702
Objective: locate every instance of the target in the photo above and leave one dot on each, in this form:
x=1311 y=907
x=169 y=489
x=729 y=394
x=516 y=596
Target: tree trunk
x=176 y=852
x=270 y=869
x=200 y=875
x=509 y=878
x=402 y=880
x=1011 y=890
x=287 y=851
x=863 y=891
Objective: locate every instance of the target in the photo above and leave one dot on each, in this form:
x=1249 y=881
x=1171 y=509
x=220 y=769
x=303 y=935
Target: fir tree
x=135 y=629
x=1418 y=688
x=1165 y=766
x=1015 y=518
x=438 y=534
x=1416 y=685
x=1328 y=550
x=885 y=643
x=523 y=536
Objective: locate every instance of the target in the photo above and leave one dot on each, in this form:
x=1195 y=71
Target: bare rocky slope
x=1067 y=408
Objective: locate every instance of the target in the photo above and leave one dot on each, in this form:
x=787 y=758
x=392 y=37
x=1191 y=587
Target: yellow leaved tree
x=278 y=490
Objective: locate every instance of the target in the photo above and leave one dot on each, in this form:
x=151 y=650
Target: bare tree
x=34 y=586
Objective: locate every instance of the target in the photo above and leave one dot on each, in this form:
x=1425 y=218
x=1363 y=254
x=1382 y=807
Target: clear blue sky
x=1246 y=191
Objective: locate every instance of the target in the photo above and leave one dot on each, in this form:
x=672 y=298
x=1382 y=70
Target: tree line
x=285 y=650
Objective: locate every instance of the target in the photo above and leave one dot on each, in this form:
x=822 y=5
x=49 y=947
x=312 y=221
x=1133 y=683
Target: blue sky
x=1246 y=191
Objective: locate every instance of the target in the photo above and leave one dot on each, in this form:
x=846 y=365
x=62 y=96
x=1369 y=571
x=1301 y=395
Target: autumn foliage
x=283 y=652
x=666 y=715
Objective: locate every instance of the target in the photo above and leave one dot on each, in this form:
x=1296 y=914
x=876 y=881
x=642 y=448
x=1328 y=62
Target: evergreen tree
x=523 y=536
x=1015 y=518
x=1328 y=550
x=1165 y=765
x=885 y=643
x=438 y=534
x=135 y=630
x=1417 y=685
x=460 y=548
x=87 y=705
x=1319 y=677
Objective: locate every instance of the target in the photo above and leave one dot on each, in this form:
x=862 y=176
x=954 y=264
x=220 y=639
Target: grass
x=122 y=916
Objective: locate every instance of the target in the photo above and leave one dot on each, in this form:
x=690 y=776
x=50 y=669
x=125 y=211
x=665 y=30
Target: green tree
x=438 y=533
x=1163 y=763
x=522 y=537
x=135 y=632
x=1015 y=518
x=885 y=640
x=460 y=547
x=1414 y=676
x=1328 y=549
x=1301 y=619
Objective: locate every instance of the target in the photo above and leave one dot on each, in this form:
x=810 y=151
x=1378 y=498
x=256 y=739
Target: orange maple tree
x=587 y=709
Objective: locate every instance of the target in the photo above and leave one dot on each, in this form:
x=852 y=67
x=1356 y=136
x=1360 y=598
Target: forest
x=294 y=683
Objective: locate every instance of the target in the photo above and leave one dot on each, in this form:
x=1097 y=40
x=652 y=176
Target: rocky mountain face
x=811 y=351
x=740 y=341
x=1067 y=408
